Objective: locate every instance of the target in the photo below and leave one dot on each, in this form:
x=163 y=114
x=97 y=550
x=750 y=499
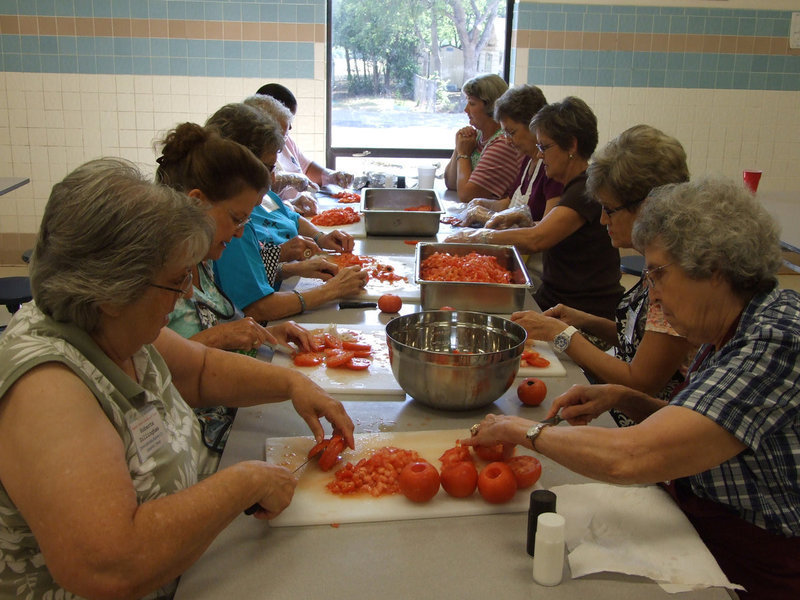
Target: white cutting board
x=545 y=350
x=357 y=230
x=403 y=266
x=377 y=380
x=313 y=504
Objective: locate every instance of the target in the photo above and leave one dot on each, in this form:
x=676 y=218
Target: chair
x=632 y=264
x=14 y=291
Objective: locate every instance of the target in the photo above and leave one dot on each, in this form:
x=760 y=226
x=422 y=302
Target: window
x=395 y=71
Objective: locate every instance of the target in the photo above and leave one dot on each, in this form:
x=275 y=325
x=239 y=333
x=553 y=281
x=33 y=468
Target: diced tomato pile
x=347 y=197
x=376 y=475
x=336 y=216
x=375 y=269
x=420 y=208
x=534 y=359
x=335 y=353
x=473 y=267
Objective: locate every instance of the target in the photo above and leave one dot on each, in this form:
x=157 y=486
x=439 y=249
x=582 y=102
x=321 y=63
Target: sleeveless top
x=32 y=339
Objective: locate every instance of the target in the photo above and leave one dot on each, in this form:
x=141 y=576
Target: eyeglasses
x=509 y=133
x=647 y=274
x=186 y=285
x=611 y=211
x=544 y=148
x=238 y=223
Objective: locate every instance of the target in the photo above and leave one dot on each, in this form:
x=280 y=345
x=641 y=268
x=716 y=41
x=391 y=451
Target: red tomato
x=318 y=448
x=358 y=364
x=526 y=469
x=532 y=391
x=490 y=453
x=330 y=456
x=338 y=358
x=390 y=303
x=356 y=347
x=307 y=359
x=496 y=483
x=331 y=341
x=419 y=481
x=455 y=455
x=460 y=479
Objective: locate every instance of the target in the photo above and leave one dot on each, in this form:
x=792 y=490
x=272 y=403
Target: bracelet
x=463 y=156
x=317 y=236
x=279 y=271
x=302 y=301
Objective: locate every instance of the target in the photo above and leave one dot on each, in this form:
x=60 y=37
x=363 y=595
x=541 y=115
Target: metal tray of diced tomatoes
x=393 y=211
x=481 y=277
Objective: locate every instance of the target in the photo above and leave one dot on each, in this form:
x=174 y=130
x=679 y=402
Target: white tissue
x=636 y=531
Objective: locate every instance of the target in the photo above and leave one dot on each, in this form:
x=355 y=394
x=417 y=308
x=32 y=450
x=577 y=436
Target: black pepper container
x=401 y=181
x=542 y=501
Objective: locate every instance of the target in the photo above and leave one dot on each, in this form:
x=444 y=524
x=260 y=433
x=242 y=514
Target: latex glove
x=340 y=178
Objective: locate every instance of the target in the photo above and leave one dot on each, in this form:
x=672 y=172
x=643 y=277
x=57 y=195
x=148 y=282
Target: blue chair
x=632 y=264
x=14 y=291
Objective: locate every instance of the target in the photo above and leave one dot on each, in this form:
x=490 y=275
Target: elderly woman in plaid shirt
x=729 y=440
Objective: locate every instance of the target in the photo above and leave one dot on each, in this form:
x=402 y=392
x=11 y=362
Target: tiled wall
x=86 y=78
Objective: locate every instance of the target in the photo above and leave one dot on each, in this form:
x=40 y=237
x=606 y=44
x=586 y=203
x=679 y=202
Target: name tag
x=147 y=430
x=630 y=327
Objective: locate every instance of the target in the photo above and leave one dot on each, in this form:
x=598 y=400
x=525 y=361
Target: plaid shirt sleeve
x=751 y=388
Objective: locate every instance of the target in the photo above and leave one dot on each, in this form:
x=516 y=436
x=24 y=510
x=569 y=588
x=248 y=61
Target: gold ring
x=474 y=429
x=307 y=253
x=256 y=344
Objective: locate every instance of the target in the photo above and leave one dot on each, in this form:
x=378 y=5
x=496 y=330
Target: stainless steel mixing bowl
x=454 y=360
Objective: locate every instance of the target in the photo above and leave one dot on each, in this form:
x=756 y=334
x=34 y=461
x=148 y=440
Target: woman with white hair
x=484 y=164
x=729 y=440
x=99 y=448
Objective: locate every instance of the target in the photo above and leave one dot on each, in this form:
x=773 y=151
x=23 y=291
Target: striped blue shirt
x=751 y=388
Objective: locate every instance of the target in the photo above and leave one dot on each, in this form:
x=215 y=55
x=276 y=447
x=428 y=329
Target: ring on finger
x=474 y=429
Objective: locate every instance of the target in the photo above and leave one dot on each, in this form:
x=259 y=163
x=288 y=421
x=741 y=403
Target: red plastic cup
x=751 y=179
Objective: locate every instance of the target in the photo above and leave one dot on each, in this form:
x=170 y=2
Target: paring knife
x=355 y=304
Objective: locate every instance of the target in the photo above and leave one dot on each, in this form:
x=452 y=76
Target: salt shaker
x=542 y=501
x=548 y=560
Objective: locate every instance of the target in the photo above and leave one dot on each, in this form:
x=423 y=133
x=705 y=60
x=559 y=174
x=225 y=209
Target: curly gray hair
x=252 y=128
x=519 y=104
x=713 y=226
x=272 y=107
x=488 y=88
x=105 y=235
x=636 y=161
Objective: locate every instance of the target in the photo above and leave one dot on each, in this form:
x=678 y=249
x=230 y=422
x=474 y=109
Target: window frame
x=331 y=154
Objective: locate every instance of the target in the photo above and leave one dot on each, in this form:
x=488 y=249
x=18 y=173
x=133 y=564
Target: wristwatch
x=562 y=340
x=534 y=432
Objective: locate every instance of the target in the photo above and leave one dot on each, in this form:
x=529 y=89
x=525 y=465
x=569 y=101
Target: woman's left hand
x=312 y=403
x=336 y=240
x=298 y=248
x=305 y=204
x=289 y=331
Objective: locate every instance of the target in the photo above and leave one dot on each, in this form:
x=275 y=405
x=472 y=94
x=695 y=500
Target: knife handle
x=251 y=510
x=353 y=304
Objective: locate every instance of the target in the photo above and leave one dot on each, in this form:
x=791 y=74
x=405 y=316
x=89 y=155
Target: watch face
x=561 y=342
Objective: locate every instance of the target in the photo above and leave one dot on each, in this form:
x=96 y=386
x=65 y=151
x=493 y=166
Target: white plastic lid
x=550 y=527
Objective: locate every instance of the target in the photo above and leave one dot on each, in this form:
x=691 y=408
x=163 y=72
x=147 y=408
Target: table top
x=468 y=557
x=8 y=184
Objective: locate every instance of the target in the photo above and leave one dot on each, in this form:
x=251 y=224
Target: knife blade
x=554 y=420
x=252 y=509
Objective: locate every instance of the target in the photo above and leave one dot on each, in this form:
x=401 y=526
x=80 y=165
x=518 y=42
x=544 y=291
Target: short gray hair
x=713 y=226
x=274 y=108
x=636 y=161
x=248 y=126
x=568 y=120
x=106 y=234
x=519 y=104
x=488 y=88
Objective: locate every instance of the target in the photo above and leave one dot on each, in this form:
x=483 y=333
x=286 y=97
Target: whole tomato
x=526 y=469
x=496 y=483
x=460 y=479
x=532 y=391
x=390 y=303
x=490 y=453
x=419 y=481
